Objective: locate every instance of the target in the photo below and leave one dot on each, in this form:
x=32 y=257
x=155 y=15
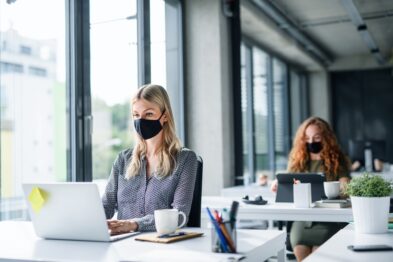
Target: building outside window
x=33 y=109
x=40 y=92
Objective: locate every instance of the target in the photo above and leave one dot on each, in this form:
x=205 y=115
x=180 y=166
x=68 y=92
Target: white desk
x=335 y=249
x=19 y=242
x=250 y=190
x=277 y=211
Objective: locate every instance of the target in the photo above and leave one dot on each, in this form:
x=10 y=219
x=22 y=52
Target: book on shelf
x=333 y=203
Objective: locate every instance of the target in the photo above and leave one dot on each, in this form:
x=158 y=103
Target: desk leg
x=281 y=255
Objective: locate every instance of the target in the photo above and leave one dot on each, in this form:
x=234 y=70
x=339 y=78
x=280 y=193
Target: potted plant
x=370 y=197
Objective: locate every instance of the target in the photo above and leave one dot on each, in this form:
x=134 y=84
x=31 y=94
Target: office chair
x=194 y=219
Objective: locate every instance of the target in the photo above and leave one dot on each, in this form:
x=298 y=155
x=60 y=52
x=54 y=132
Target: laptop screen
x=285 y=185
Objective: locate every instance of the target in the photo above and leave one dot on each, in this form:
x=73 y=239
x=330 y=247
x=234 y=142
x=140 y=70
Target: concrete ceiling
x=328 y=25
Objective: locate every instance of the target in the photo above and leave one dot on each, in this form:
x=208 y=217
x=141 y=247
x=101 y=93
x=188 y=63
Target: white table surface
x=251 y=190
x=278 y=211
x=335 y=249
x=19 y=242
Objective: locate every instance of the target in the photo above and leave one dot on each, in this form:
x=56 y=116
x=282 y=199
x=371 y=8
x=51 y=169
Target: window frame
x=80 y=119
x=249 y=44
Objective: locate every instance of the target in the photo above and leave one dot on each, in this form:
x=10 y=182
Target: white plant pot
x=370 y=214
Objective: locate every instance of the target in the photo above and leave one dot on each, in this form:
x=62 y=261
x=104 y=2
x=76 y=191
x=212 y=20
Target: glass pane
x=260 y=60
x=114 y=78
x=33 y=99
x=157 y=42
x=296 y=102
x=278 y=111
x=244 y=104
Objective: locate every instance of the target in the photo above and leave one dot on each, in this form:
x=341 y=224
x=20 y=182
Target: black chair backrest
x=194 y=218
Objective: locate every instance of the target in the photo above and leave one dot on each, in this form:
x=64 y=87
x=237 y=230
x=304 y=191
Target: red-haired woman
x=315 y=149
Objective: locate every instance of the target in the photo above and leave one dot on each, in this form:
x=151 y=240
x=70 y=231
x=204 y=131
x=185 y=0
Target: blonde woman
x=156 y=174
x=315 y=149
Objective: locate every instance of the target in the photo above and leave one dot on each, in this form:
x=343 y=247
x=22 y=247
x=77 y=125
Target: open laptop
x=69 y=210
x=285 y=185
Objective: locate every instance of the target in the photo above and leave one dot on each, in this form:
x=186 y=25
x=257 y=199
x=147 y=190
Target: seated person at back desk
x=315 y=149
x=156 y=174
x=358 y=165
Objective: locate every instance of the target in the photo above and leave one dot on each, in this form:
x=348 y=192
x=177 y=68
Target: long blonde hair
x=170 y=143
x=334 y=160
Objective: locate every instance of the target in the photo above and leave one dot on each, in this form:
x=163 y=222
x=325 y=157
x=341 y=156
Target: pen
x=175 y=234
x=217 y=216
x=233 y=213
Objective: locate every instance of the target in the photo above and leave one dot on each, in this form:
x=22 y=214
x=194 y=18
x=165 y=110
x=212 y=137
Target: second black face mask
x=148 y=128
x=314 y=147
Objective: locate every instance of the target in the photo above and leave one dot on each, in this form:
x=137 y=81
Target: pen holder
x=223 y=238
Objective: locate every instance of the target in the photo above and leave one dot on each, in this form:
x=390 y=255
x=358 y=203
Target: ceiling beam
x=361 y=26
x=294 y=31
x=345 y=19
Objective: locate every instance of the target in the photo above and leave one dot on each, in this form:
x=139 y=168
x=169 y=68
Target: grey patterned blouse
x=138 y=197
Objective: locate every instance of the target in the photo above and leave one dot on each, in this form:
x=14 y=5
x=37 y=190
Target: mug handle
x=184 y=219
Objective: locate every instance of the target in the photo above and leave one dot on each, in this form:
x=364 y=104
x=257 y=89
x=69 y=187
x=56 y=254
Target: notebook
x=69 y=210
x=154 y=237
x=285 y=185
x=335 y=203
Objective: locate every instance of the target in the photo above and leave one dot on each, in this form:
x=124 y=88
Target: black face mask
x=314 y=147
x=148 y=128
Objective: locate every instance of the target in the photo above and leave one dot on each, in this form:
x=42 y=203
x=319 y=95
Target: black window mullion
x=270 y=105
x=78 y=91
x=235 y=40
x=304 y=97
x=286 y=111
x=143 y=36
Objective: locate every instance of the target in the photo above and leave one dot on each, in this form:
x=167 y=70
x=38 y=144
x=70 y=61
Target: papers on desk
x=334 y=203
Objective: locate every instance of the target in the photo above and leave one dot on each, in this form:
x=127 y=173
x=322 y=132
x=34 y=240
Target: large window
x=280 y=112
x=33 y=99
x=260 y=109
x=265 y=119
x=67 y=74
x=117 y=41
x=158 y=42
x=244 y=53
x=114 y=78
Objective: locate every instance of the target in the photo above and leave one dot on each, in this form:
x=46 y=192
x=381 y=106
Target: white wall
x=209 y=117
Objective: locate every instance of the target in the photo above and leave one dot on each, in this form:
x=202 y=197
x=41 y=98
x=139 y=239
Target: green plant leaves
x=369 y=185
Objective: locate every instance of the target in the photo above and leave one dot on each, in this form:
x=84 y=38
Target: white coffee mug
x=167 y=220
x=332 y=189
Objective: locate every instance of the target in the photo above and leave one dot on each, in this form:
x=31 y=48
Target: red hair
x=334 y=161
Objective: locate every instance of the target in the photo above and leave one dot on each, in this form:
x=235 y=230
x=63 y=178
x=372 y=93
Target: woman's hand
x=274 y=185
x=121 y=226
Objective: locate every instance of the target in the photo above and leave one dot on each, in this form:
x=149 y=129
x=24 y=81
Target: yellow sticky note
x=37 y=198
